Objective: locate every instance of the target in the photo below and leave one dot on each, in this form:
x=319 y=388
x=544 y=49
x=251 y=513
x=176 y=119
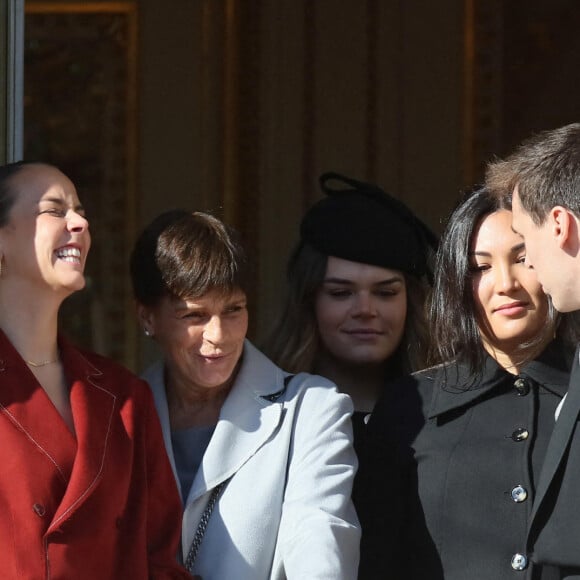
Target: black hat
x=363 y=223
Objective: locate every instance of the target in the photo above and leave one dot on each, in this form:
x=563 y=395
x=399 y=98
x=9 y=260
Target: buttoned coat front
x=287 y=457
x=100 y=504
x=457 y=475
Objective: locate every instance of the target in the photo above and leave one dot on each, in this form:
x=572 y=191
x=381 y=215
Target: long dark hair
x=455 y=332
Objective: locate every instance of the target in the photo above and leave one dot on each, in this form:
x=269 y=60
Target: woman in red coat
x=86 y=490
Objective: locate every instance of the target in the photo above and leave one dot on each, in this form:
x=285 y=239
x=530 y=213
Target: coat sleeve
x=381 y=499
x=387 y=503
x=319 y=533
x=164 y=511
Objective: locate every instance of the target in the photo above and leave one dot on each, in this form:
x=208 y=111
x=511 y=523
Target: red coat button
x=39 y=509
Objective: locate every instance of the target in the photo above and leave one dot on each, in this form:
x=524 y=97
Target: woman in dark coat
x=448 y=487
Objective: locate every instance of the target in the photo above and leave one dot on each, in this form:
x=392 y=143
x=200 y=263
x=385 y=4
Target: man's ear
x=564 y=227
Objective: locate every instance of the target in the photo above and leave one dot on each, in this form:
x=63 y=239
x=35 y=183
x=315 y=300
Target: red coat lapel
x=29 y=409
x=79 y=462
x=93 y=407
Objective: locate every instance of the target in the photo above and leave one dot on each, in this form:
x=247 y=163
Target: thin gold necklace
x=41 y=363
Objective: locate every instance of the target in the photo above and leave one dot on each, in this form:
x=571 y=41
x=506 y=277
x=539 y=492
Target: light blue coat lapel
x=247 y=419
x=154 y=376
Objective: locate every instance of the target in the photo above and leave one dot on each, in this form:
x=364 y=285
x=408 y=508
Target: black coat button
x=520 y=434
x=521 y=386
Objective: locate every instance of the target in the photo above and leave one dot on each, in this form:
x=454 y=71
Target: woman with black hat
x=357 y=285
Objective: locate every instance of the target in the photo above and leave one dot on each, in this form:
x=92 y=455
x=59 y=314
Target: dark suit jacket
x=448 y=486
x=555 y=528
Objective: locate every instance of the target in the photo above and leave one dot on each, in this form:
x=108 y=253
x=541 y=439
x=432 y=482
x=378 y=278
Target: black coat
x=451 y=482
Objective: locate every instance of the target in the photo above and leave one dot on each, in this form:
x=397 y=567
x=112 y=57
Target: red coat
x=101 y=506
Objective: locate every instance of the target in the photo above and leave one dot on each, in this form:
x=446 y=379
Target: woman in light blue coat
x=264 y=460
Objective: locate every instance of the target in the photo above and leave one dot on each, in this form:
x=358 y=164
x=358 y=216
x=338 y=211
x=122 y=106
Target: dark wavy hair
x=455 y=332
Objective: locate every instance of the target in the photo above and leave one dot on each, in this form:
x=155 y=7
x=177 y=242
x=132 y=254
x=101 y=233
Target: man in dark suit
x=541 y=182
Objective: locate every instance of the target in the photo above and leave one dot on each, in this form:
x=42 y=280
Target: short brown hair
x=546 y=170
x=186 y=255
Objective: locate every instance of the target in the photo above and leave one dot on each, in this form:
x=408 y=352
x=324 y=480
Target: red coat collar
x=27 y=406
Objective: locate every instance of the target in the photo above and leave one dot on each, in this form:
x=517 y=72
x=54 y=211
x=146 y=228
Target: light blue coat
x=286 y=513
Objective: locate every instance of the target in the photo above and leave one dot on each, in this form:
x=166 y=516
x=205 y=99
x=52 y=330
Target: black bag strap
x=215 y=494
x=202 y=526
